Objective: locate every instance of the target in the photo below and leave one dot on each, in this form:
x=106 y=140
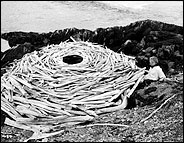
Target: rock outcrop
x=141 y=39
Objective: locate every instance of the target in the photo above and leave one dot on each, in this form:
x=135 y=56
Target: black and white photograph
x=91 y=71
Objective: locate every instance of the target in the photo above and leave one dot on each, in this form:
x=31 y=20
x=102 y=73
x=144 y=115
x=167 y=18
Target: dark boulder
x=130 y=47
x=142 y=61
x=16 y=53
x=36 y=39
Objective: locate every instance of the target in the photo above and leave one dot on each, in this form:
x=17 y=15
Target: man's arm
x=161 y=75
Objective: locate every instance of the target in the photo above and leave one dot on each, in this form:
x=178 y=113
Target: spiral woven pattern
x=42 y=92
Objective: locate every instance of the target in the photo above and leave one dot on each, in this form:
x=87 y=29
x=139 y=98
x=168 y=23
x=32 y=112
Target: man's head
x=153 y=61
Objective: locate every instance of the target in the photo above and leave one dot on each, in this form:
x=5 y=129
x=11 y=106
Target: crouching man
x=155 y=73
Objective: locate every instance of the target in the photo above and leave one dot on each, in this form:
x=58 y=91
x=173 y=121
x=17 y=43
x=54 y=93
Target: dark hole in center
x=72 y=59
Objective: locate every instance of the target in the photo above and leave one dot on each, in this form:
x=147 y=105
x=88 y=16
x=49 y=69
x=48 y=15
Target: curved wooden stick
x=143 y=120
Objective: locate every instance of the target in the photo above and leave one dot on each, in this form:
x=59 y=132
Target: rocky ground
x=141 y=39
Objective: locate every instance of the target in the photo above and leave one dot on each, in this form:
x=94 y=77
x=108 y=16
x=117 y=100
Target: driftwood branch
x=104 y=124
x=143 y=120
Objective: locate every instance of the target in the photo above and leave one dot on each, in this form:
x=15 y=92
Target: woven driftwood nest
x=66 y=84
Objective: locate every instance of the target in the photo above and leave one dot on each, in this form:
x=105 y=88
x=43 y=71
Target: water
x=48 y=16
